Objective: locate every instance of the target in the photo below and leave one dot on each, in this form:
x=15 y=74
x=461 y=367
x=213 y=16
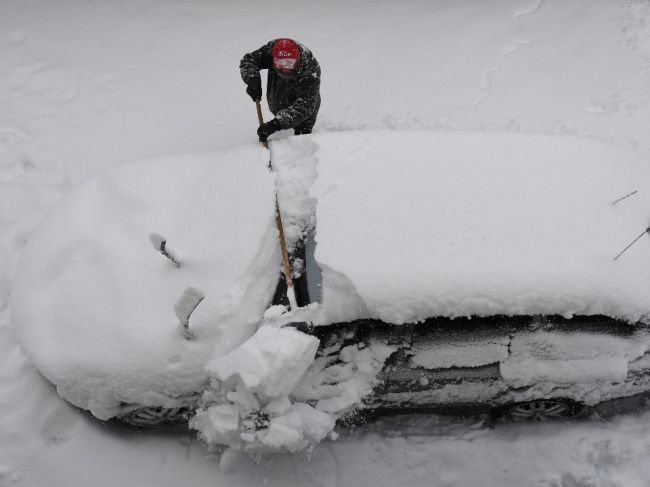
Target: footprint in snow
x=16 y=36
x=530 y=9
x=514 y=46
x=8 y=476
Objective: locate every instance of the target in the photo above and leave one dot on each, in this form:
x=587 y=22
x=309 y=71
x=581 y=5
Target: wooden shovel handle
x=278 y=223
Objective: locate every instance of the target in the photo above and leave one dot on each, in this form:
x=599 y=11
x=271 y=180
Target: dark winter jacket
x=292 y=100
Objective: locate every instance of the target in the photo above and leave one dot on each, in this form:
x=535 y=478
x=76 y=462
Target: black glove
x=267 y=129
x=254 y=88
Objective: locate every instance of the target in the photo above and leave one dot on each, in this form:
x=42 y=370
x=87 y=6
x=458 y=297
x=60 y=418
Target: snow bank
x=94 y=302
x=418 y=224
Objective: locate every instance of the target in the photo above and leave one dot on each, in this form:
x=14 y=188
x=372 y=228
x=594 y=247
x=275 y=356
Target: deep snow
x=84 y=86
x=93 y=302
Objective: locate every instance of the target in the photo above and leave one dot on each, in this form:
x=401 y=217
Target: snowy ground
x=85 y=85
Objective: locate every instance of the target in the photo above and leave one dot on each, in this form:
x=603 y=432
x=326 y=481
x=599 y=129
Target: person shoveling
x=293 y=87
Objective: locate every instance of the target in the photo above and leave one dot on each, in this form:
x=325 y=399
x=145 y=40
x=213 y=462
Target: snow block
x=297 y=429
x=270 y=363
x=219 y=424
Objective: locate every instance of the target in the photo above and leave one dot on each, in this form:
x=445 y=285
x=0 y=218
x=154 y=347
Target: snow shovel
x=291 y=294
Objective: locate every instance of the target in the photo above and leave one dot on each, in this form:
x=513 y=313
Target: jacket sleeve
x=251 y=63
x=307 y=101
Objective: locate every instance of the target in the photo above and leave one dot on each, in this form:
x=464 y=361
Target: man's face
x=286 y=67
x=285 y=64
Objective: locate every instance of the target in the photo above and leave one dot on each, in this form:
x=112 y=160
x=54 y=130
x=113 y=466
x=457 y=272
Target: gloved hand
x=267 y=129
x=254 y=88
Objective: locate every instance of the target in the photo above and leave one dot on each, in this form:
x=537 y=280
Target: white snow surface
x=437 y=354
x=418 y=224
x=87 y=85
x=94 y=304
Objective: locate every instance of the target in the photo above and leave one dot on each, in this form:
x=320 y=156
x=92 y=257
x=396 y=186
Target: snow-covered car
x=440 y=271
x=483 y=272
x=449 y=272
x=94 y=301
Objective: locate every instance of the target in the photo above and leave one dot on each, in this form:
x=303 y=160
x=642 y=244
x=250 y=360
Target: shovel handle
x=260 y=117
x=291 y=294
x=258 y=105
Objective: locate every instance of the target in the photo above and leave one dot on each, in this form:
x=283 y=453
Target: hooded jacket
x=291 y=99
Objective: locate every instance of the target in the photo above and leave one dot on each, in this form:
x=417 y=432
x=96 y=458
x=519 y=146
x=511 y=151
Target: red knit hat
x=286 y=54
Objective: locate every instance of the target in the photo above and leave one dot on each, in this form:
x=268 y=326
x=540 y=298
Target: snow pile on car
x=297 y=158
x=412 y=225
x=272 y=394
x=94 y=302
x=249 y=409
x=546 y=364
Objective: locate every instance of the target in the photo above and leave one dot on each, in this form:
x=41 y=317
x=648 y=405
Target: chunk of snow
x=186 y=305
x=255 y=380
x=297 y=429
x=298 y=157
x=293 y=429
x=160 y=244
x=270 y=363
x=218 y=424
x=157 y=240
x=340 y=387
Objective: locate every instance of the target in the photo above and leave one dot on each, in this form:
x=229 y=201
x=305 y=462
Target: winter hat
x=285 y=55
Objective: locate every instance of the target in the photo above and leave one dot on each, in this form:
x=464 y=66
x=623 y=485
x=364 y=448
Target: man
x=293 y=87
